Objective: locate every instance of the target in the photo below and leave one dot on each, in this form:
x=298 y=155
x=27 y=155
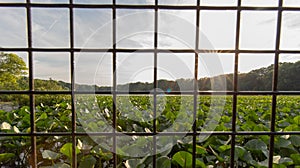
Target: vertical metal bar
x=155 y=80
x=195 y=96
x=31 y=85
x=235 y=84
x=274 y=83
x=71 y=22
x=114 y=85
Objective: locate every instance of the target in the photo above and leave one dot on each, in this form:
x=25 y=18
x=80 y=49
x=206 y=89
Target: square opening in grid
x=50 y=70
x=135 y=2
x=221 y=147
x=172 y=78
x=287 y=118
x=218 y=29
x=174 y=113
x=255 y=72
x=290 y=31
x=91 y=2
x=218 y=2
x=14 y=71
x=177 y=3
x=135 y=113
x=50 y=1
x=93 y=71
x=291 y=3
x=254 y=113
x=93 y=28
x=12 y=1
x=215 y=71
x=101 y=154
x=265 y=3
x=288 y=69
x=258 y=30
x=252 y=151
x=14 y=113
x=134 y=72
x=58 y=147
x=18 y=156
x=135 y=28
x=214 y=113
x=94 y=113
x=176 y=29
x=50 y=27
x=283 y=146
x=13 y=27
x=48 y=120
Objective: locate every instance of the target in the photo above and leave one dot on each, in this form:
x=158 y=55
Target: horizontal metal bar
x=146 y=50
x=33 y=92
x=198 y=133
x=147 y=92
x=137 y=6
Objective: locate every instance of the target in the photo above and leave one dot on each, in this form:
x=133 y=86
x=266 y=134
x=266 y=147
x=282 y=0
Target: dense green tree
x=12 y=68
x=288 y=76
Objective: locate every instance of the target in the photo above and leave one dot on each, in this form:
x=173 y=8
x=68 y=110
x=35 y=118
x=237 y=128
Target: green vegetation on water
x=254 y=114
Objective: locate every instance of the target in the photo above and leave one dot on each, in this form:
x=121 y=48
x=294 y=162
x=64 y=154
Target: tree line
x=13 y=73
x=256 y=80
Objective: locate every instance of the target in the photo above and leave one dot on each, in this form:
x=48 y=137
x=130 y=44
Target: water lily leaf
x=47 y=154
x=43 y=116
x=4 y=157
x=58 y=165
x=286 y=161
x=87 y=161
x=66 y=149
x=296 y=158
x=163 y=162
x=295 y=140
x=224 y=148
x=281 y=142
x=199 y=149
x=183 y=158
x=239 y=152
x=257 y=145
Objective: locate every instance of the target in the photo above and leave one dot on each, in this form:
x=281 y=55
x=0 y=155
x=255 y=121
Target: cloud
x=290 y=32
x=248 y=62
x=93 y=28
x=289 y=58
x=177 y=28
x=13 y=27
x=50 y=1
x=144 y=2
x=93 y=1
x=254 y=35
x=52 y=65
x=50 y=27
x=292 y=20
x=178 y=2
x=8 y=1
x=135 y=28
x=217 y=29
x=93 y=68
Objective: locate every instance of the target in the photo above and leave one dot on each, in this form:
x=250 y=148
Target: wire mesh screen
x=156 y=83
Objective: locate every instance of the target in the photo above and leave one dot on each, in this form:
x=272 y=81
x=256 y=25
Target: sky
x=135 y=29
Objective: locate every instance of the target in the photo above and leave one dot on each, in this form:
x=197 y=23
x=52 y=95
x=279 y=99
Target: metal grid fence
x=114 y=50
